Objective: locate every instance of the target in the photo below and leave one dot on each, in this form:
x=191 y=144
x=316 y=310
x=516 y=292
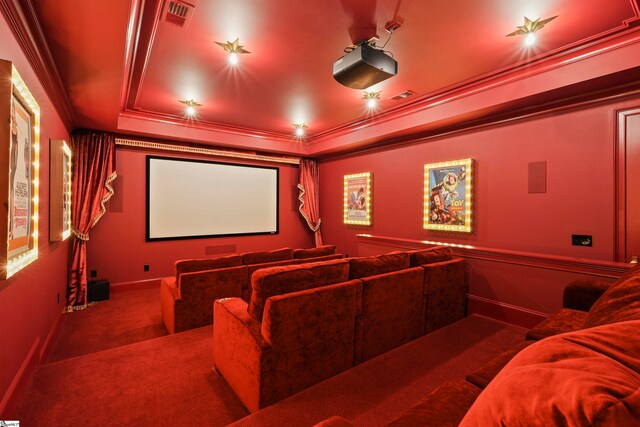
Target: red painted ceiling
x=122 y=58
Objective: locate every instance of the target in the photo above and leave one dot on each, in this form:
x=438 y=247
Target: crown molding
x=24 y=24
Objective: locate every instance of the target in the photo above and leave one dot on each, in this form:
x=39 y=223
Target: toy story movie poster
x=448 y=196
x=19 y=179
x=357 y=199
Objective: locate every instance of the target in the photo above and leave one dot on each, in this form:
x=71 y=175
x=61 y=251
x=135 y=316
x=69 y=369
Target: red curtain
x=308 y=194
x=93 y=164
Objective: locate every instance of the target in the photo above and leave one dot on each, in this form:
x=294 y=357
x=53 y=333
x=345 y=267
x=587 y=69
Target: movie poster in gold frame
x=19 y=172
x=357 y=199
x=448 y=196
x=59 y=190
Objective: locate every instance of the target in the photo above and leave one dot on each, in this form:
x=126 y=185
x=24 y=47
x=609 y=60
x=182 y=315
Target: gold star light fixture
x=530 y=28
x=372 y=99
x=299 y=129
x=191 y=106
x=234 y=48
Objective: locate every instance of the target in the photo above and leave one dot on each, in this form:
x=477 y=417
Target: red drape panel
x=308 y=194
x=93 y=164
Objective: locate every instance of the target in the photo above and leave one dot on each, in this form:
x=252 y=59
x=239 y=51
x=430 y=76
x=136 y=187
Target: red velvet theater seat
x=186 y=299
x=586 y=377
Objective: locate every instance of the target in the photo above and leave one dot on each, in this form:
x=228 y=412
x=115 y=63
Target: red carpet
x=102 y=376
x=374 y=393
x=126 y=318
x=164 y=381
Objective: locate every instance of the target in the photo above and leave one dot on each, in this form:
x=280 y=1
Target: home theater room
x=320 y=213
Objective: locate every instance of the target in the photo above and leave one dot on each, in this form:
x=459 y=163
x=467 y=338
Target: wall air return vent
x=178 y=13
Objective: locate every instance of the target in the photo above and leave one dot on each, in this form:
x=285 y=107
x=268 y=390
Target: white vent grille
x=178 y=13
x=403 y=95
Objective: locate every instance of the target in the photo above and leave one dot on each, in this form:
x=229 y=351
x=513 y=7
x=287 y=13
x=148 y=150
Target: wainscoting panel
x=521 y=288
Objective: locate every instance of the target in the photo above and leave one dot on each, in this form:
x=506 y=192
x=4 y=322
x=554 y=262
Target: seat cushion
x=314 y=252
x=585 y=377
x=483 y=376
x=619 y=303
x=431 y=255
x=272 y=281
x=444 y=406
x=272 y=256
x=380 y=264
x=563 y=320
x=202 y=264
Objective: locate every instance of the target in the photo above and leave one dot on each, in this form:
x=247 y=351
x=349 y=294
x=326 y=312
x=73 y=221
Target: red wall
x=117 y=249
x=578 y=146
x=28 y=300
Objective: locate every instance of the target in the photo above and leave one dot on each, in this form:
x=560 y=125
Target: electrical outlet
x=94 y=274
x=146 y=267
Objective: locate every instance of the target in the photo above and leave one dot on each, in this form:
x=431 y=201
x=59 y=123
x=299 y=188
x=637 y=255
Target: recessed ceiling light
x=372 y=99
x=191 y=106
x=234 y=48
x=530 y=28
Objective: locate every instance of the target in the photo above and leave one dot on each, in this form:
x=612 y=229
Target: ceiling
x=121 y=59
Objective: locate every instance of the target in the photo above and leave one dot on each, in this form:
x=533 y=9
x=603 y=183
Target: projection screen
x=194 y=198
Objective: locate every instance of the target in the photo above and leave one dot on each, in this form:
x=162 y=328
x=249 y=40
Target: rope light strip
x=205 y=151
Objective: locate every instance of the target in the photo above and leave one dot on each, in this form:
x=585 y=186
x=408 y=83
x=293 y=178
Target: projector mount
x=389 y=27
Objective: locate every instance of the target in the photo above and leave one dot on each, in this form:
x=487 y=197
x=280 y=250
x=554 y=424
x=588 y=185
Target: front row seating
x=186 y=298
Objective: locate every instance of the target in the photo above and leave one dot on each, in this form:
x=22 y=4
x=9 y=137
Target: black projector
x=363 y=67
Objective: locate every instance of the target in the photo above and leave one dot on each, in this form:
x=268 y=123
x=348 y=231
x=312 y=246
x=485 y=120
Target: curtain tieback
x=79 y=235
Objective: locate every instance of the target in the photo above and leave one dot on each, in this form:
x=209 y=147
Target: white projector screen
x=194 y=198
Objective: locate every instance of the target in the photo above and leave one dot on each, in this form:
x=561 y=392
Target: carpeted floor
x=109 y=367
x=377 y=391
x=126 y=318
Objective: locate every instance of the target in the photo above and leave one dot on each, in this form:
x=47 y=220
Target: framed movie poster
x=448 y=196
x=59 y=190
x=357 y=199
x=19 y=143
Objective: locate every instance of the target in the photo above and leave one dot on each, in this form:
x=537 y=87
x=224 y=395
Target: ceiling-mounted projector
x=364 y=66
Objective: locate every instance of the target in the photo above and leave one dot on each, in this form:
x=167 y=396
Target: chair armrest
x=239 y=349
x=169 y=288
x=582 y=294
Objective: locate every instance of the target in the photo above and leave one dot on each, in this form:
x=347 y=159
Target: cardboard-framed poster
x=19 y=172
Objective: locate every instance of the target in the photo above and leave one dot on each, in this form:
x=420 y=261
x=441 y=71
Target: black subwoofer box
x=98 y=290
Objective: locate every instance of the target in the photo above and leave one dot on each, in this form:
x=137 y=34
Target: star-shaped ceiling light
x=372 y=99
x=234 y=48
x=299 y=129
x=530 y=28
x=191 y=106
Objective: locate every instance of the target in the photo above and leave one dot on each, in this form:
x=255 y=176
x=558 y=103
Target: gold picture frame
x=19 y=172
x=448 y=196
x=59 y=190
x=357 y=199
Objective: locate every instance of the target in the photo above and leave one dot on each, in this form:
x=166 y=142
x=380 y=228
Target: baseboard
x=46 y=345
x=10 y=398
x=508 y=313
x=136 y=285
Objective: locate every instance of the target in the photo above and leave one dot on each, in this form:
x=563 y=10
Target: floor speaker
x=98 y=290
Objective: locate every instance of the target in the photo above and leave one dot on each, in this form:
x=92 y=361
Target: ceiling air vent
x=178 y=13
x=403 y=95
